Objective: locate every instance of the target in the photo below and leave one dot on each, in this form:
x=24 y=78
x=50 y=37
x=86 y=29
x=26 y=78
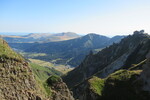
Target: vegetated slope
x=16 y=78
x=42 y=72
x=40 y=37
x=70 y=52
x=52 y=85
x=120 y=85
x=130 y=50
x=17 y=81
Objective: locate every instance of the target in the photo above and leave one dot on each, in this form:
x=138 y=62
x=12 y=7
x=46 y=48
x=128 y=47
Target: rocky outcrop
x=59 y=90
x=89 y=89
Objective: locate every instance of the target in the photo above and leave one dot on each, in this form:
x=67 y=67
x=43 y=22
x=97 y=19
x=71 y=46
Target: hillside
x=40 y=37
x=42 y=72
x=18 y=82
x=70 y=52
x=16 y=76
x=130 y=50
x=120 y=85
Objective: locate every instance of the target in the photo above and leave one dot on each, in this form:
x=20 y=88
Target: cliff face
x=17 y=81
x=145 y=75
x=131 y=50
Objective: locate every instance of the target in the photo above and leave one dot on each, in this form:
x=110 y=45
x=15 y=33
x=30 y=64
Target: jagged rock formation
x=130 y=50
x=17 y=81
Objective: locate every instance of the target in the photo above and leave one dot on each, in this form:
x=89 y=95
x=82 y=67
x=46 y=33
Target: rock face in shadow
x=121 y=85
x=145 y=75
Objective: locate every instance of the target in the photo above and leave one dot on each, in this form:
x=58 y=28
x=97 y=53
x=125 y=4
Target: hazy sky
x=107 y=17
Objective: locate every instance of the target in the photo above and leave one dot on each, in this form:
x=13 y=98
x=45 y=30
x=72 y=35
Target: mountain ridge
x=111 y=58
x=40 y=37
x=70 y=52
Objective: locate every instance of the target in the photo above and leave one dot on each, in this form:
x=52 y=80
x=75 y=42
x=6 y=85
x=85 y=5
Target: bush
x=53 y=79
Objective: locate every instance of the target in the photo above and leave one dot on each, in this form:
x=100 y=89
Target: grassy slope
x=43 y=72
x=7 y=52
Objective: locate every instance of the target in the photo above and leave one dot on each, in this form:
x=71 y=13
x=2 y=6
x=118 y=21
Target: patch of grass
x=41 y=77
x=137 y=65
x=96 y=85
x=42 y=86
x=47 y=89
x=123 y=75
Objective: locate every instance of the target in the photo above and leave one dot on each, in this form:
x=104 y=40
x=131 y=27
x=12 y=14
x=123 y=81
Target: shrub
x=53 y=79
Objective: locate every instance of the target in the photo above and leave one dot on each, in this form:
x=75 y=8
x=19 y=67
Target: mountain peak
x=70 y=34
x=93 y=34
x=141 y=32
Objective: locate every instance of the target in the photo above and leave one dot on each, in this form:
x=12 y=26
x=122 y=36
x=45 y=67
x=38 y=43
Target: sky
x=105 y=17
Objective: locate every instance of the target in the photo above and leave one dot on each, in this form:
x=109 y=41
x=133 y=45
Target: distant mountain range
x=40 y=37
x=70 y=52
